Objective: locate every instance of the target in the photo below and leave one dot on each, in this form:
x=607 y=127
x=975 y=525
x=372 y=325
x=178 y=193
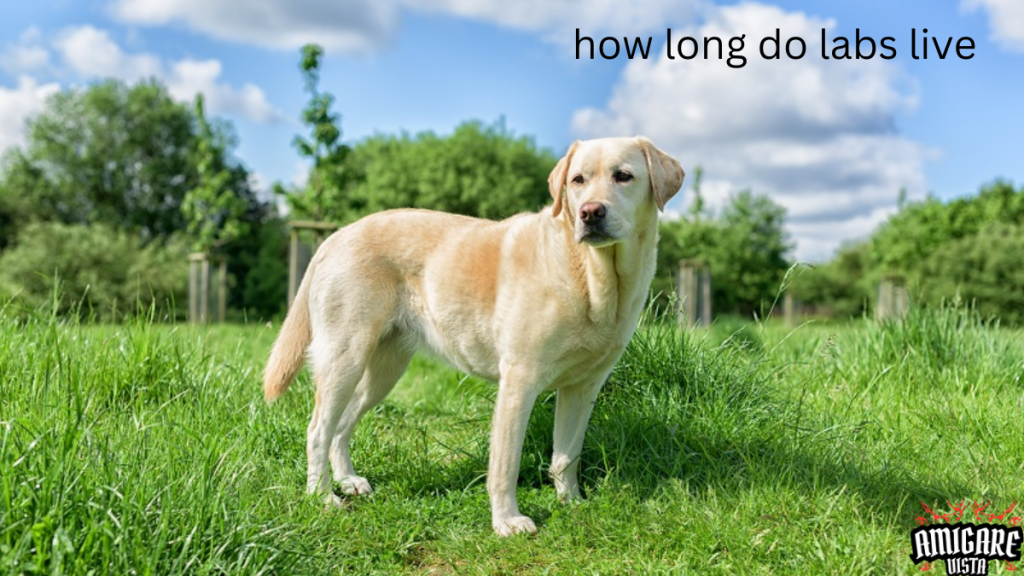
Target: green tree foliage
x=126 y=157
x=100 y=270
x=108 y=153
x=911 y=235
x=478 y=170
x=842 y=287
x=745 y=247
x=263 y=255
x=214 y=209
x=751 y=251
x=985 y=270
x=324 y=195
x=971 y=248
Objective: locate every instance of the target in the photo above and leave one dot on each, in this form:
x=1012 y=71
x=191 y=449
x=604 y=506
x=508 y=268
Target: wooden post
x=686 y=294
x=893 y=300
x=198 y=287
x=222 y=290
x=193 y=289
x=694 y=293
x=300 y=254
x=204 y=294
x=789 y=309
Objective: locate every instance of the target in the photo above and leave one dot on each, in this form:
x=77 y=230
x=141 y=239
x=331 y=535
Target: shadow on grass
x=680 y=412
x=629 y=446
x=633 y=449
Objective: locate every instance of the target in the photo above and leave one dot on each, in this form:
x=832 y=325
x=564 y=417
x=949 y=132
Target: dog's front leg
x=516 y=396
x=573 y=405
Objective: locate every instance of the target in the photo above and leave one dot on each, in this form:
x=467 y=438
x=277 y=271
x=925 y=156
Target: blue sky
x=832 y=141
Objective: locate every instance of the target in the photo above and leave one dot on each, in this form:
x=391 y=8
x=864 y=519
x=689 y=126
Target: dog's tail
x=289 y=352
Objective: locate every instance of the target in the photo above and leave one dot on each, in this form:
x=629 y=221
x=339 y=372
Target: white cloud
x=91 y=52
x=817 y=136
x=24 y=59
x=346 y=25
x=591 y=16
x=26 y=55
x=362 y=25
x=17 y=105
x=190 y=77
x=1006 y=18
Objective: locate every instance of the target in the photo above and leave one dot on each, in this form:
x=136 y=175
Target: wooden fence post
x=301 y=254
x=193 y=286
x=222 y=289
x=694 y=293
x=200 y=285
x=893 y=300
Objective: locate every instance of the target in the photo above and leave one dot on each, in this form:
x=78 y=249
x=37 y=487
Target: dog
x=537 y=302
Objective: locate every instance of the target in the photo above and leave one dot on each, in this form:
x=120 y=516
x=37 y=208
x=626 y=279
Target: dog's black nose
x=592 y=212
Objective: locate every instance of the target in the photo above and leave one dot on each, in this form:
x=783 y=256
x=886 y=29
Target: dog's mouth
x=595 y=237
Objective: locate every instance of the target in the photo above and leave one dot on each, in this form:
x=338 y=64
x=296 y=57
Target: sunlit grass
x=146 y=448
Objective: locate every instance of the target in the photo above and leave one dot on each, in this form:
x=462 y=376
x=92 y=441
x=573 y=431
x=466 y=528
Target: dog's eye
x=578 y=179
x=622 y=176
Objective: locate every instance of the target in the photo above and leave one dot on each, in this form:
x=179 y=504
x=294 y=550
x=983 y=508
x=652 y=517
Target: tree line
x=116 y=183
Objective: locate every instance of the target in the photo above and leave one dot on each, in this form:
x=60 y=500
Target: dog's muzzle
x=592 y=225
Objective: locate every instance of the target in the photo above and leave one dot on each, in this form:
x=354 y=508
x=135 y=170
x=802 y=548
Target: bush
x=95 y=270
x=986 y=270
x=261 y=261
x=744 y=246
x=841 y=288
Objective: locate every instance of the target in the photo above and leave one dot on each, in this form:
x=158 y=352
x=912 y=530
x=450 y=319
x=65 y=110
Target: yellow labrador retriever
x=544 y=301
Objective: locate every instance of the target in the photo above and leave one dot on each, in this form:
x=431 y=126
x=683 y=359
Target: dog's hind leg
x=337 y=368
x=386 y=365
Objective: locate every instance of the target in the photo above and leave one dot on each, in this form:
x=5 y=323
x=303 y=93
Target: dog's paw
x=333 y=502
x=355 y=486
x=570 y=496
x=515 y=525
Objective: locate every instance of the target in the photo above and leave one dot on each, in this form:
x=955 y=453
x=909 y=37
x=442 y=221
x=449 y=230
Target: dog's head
x=605 y=187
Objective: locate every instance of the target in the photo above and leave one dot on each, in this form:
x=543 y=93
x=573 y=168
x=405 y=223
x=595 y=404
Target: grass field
x=147 y=449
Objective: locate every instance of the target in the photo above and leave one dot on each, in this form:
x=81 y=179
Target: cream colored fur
x=534 y=302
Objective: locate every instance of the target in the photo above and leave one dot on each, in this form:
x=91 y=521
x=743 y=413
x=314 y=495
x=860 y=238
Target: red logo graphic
x=966 y=546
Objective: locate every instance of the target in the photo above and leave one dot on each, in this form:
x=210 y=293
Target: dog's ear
x=556 y=180
x=664 y=171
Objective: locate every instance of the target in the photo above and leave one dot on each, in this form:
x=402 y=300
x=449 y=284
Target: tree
x=751 y=252
x=478 y=170
x=985 y=270
x=323 y=196
x=745 y=246
x=99 y=270
x=127 y=157
x=107 y=153
x=909 y=236
x=970 y=247
x=214 y=209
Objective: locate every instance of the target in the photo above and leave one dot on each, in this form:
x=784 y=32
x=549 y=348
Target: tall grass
x=109 y=464
x=145 y=448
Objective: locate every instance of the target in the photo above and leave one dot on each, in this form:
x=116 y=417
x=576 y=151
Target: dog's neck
x=616 y=278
